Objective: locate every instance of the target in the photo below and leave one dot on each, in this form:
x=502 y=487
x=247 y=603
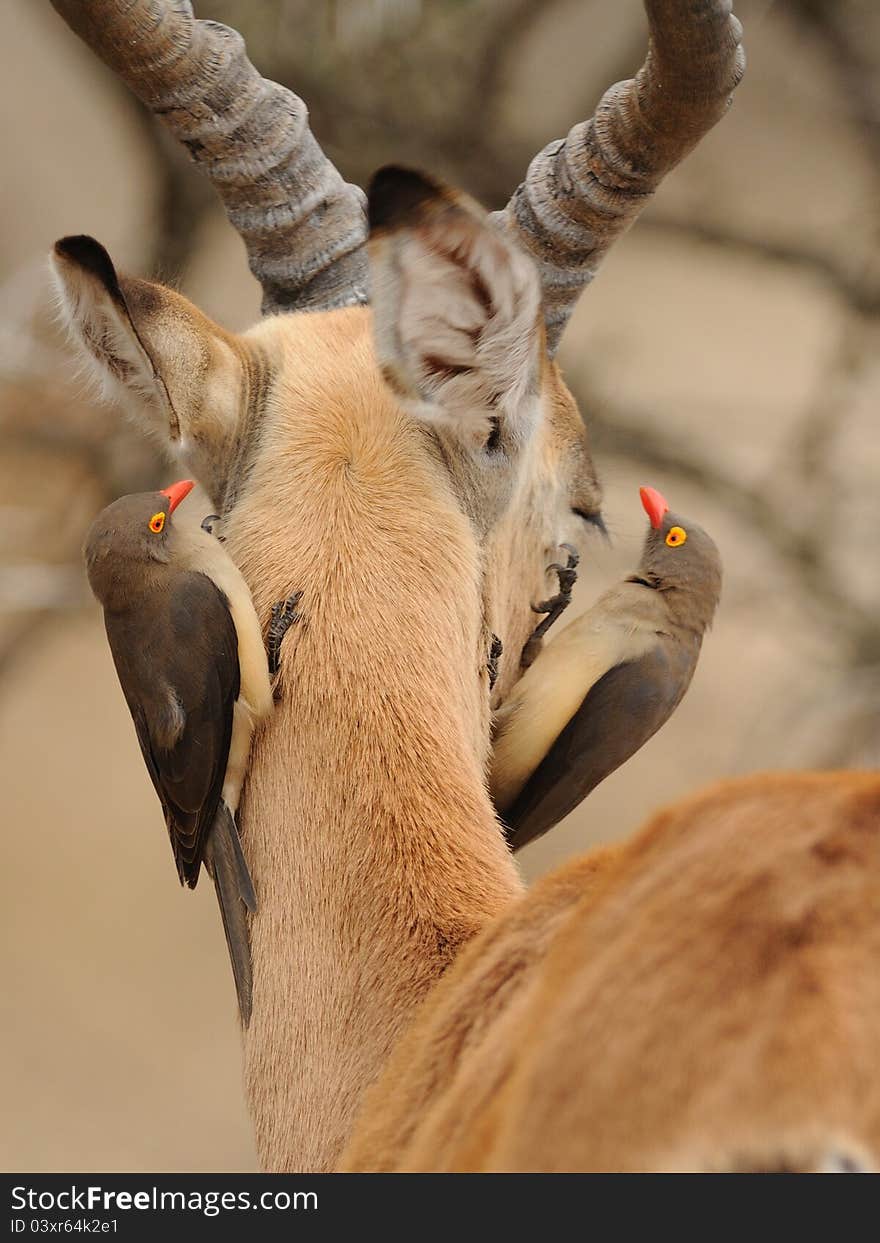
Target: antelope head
x=468 y=310
x=411 y=466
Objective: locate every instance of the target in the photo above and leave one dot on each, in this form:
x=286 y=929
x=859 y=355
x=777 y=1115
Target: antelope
x=395 y=441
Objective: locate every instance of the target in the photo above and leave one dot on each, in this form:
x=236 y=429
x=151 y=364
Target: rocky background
x=727 y=354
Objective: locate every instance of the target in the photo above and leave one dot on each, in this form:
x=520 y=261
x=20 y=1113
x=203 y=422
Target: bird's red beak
x=654 y=505
x=177 y=492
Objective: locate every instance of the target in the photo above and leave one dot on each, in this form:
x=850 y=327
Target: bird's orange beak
x=177 y=492
x=654 y=505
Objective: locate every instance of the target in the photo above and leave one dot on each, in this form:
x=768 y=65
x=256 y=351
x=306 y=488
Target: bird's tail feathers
x=235 y=893
x=245 y=884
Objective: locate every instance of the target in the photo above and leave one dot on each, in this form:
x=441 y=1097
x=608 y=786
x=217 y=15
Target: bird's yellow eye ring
x=157 y=522
x=676 y=537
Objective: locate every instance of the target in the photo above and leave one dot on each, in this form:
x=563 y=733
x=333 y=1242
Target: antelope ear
x=95 y=310
x=151 y=348
x=457 y=309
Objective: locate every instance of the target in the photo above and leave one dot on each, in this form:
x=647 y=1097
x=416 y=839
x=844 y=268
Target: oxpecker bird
x=188 y=649
x=609 y=681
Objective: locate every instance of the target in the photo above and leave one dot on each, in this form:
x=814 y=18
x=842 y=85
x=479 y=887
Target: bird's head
x=679 y=558
x=130 y=535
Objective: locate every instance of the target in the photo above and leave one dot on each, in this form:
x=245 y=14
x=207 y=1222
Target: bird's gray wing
x=621 y=711
x=190 y=652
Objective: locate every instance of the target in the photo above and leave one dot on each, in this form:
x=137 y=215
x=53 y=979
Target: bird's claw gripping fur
x=555 y=606
x=207 y=525
x=284 y=614
x=495 y=653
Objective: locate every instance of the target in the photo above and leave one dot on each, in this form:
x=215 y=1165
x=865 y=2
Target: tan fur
x=380 y=856
x=563 y=1034
x=370 y=834
x=704 y=997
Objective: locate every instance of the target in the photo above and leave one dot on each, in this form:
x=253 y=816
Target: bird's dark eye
x=157 y=522
x=494 y=438
x=676 y=536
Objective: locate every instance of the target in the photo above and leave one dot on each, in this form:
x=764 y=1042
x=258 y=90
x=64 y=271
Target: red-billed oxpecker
x=609 y=681
x=188 y=649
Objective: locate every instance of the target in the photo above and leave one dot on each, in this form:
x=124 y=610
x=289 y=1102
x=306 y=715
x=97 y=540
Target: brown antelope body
x=411 y=469
x=703 y=997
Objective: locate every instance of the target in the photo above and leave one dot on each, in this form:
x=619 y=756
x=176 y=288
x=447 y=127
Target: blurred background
x=726 y=354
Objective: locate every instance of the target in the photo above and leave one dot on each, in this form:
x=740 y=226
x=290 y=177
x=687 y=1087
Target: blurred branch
x=859 y=290
x=507 y=29
x=852 y=56
x=455 y=53
x=812 y=446
x=184 y=198
x=183 y=194
x=845 y=33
